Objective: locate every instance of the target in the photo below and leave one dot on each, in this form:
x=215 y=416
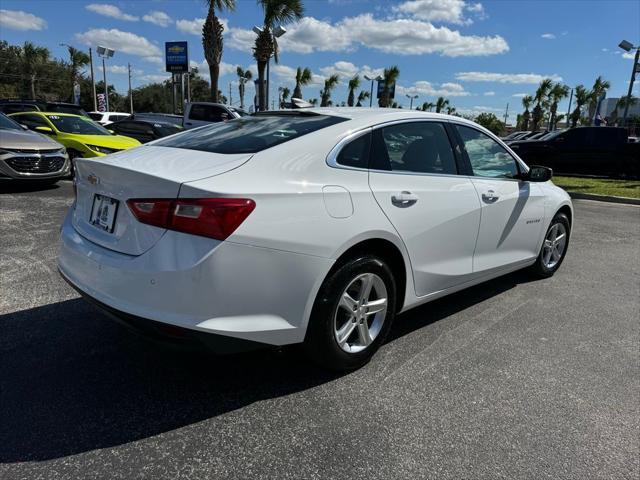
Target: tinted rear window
x=249 y=134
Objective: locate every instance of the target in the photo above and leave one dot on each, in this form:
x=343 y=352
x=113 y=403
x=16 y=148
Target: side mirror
x=537 y=173
x=45 y=130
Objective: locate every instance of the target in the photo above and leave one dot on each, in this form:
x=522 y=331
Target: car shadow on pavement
x=72 y=380
x=25 y=186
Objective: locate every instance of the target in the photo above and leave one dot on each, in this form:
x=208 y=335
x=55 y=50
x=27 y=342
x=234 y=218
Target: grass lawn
x=600 y=186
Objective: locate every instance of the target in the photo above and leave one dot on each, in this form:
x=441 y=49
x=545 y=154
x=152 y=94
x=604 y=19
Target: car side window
x=418 y=147
x=488 y=158
x=32 y=121
x=207 y=113
x=356 y=152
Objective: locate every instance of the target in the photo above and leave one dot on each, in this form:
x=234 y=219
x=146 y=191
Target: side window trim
x=332 y=157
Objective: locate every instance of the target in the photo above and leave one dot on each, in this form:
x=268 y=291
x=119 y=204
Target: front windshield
x=77 y=125
x=7 y=124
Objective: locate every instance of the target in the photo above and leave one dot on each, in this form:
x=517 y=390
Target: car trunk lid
x=146 y=172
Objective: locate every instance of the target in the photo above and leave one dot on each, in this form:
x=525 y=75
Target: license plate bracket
x=103 y=212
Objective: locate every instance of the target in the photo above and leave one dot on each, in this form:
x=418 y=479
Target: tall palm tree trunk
x=214 y=73
x=33 y=86
x=212 y=43
x=241 y=92
x=262 y=91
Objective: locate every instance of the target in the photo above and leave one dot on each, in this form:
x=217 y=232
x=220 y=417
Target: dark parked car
x=159 y=117
x=144 y=130
x=583 y=150
x=15 y=106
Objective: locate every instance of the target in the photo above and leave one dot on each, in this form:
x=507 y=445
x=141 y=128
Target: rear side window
x=95 y=116
x=206 y=113
x=249 y=134
x=356 y=152
x=418 y=147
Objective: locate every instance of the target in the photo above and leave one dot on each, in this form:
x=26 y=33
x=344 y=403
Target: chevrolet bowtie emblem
x=93 y=180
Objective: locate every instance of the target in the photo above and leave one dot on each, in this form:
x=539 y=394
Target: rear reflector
x=208 y=217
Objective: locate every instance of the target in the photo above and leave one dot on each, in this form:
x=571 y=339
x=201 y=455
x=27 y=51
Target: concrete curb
x=604 y=198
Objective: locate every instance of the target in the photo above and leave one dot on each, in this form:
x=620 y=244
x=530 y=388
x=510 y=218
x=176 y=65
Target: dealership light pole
x=372 y=79
x=628 y=46
x=569 y=109
x=412 y=98
x=277 y=33
x=105 y=52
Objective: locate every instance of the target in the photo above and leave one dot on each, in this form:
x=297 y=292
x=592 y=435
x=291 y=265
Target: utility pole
x=93 y=82
x=230 y=94
x=173 y=92
x=189 y=86
x=506 y=114
x=130 y=91
x=569 y=109
x=104 y=79
x=182 y=91
x=634 y=70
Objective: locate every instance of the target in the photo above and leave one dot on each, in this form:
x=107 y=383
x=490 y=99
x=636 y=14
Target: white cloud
x=194 y=27
x=548 y=36
x=111 y=11
x=504 y=77
x=520 y=95
x=424 y=88
x=124 y=42
x=450 y=11
x=19 y=20
x=395 y=36
x=157 y=59
x=477 y=110
x=489 y=94
x=158 y=18
x=120 y=70
x=203 y=68
x=605 y=49
x=628 y=55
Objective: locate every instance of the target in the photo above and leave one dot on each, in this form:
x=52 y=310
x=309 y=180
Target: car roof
x=363 y=116
x=58 y=114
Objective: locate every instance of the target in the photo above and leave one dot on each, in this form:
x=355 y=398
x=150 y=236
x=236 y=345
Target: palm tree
x=582 y=96
x=276 y=12
x=77 y=59
x=427 y=106
x=303 y=77
x=620 y=104
x=325 y=95
x=557 y=93
x=451 y=110
x=285 y=92
x=243 y=77
x=527 y=100
x=441 y=104
x=212 y=41
x=389 y=78
x=353 y=84
x=540 y=98
x=312 y=101
x=600 y=86
x=32 y=57
x=362 y=96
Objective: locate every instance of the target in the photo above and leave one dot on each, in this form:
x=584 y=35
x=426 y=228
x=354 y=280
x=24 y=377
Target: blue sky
x=480 y=55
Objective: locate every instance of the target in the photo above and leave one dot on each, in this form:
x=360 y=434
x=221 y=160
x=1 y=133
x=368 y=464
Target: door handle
x=490 y=196
x=404 y=199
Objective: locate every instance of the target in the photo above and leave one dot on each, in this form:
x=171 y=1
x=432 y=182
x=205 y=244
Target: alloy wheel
x=554 y=245
x=361 y=313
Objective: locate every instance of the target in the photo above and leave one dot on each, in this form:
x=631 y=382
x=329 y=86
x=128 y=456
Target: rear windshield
x=249 y=134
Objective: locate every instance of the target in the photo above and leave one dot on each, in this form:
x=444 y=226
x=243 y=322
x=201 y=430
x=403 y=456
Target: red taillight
x=209 y=217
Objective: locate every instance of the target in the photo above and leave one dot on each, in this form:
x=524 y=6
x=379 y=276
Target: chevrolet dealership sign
x=177 y=57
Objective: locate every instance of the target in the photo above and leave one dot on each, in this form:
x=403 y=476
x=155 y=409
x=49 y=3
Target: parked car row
x=604 y=151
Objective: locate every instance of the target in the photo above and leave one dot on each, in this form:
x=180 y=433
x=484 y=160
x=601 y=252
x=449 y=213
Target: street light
x=412 y=97
x=277 y=32
x=105 y=52
x=372 y=79
x=627 y=47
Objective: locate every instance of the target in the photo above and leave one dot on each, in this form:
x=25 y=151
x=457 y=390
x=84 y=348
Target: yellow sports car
x=80 y=135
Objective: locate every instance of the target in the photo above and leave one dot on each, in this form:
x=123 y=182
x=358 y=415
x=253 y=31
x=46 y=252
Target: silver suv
x=27 y=155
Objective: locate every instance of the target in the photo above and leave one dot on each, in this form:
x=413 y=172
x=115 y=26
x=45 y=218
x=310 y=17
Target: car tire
x=334 y=316
x=554 y=247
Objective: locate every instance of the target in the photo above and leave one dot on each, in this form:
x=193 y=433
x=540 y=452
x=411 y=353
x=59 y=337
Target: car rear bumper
x=222 y=288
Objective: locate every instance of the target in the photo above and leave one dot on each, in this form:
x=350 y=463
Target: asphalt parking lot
x=512 y=379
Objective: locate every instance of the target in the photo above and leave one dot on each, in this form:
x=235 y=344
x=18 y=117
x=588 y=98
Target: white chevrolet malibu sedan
x=313 y=226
